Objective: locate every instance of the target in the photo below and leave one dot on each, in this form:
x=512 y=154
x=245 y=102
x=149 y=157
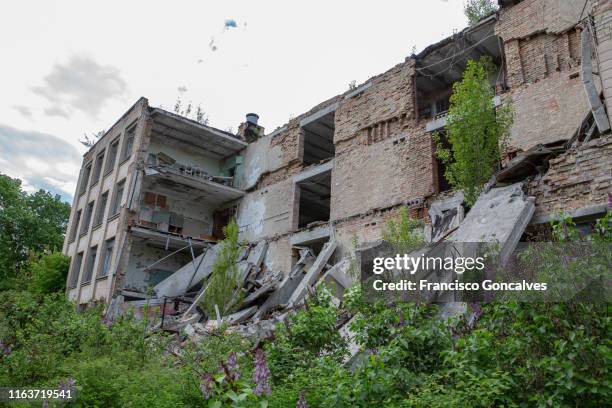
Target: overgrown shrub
x=48 y=273
x=476 y=130
x=223 y=288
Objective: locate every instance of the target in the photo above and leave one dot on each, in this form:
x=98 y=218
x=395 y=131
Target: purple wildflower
x=454 y=333
x=402 y=320
x=206 y=386
x=67 y=385
x=477 y=309
x=107 y=322
x=233 y=369
x=45 y=404
x=6 y=349
x=261 y=375
x=301 y=403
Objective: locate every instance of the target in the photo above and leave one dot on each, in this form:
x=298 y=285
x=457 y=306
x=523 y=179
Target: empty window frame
x=75 y=226
x=440 y=166
x=87 y=217
x=118 y=198
x=101 y=209
x=91 y=263
x=109 y=245
x=97 y=170
x=319 y=139
x=112 y=156
x=85 y=179
x=314 y=199
x=76 y=269
x=128 y=143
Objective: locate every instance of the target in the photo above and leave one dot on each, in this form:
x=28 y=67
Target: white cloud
x=40 y=160
x=80 y=84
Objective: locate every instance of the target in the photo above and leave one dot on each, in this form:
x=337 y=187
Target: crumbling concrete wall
x=542 y=49
x=578 y=178
x=266 y=212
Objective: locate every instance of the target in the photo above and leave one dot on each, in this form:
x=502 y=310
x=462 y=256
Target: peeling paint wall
x=198 y=217
x=260 y=158
x=266 y=212
x=184 y=155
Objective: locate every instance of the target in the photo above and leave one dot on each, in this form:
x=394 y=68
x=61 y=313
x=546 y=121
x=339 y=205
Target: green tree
x=476 y=130
x=48 y=274
x=223 y=287
x=477 y=9
x=29 y=224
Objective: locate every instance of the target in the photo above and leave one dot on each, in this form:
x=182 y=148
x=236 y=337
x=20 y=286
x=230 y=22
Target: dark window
x=75 y=226
x=118 y=197
x=108 y=257
x=443 y=183
x=91 y=263
x=112 y=155
x=85 y=179
x=101 y=208
x=128 y=144
x=97 y=168
x=319 y=139
x=314 y=199
x=442 y=106
x=76 y=269
x=87 y=218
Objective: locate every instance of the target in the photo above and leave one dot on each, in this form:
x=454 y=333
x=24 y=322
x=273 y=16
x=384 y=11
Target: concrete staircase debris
x=200 y=268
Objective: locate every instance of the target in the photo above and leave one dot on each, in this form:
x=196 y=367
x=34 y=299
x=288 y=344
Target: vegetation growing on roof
x=475 y=10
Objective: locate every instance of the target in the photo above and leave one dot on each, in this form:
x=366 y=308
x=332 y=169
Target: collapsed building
x=156 y=190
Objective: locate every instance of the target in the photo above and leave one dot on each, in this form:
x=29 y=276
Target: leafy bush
x=48 y=273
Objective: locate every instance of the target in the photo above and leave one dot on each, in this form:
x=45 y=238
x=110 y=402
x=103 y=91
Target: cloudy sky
x=73 y=67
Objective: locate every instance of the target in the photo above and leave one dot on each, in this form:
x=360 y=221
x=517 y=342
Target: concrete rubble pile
x=268 y=296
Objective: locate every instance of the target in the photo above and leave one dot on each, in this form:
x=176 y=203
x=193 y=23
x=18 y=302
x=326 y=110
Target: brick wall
x=542 y=48
x=382 y=174
x=389 y=99
x=578 y=178
x=548 y=110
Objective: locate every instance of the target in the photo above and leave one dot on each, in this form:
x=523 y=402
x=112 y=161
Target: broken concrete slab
x=178 y=324
x=241 y=316
x=313 y=272
x=288 y=285
x=349 y=336
x=337 y=279
x=446 y=215
x=194 y=272
x=259 y=293
x=257 y=254
x=189 y=330
x=500 y=215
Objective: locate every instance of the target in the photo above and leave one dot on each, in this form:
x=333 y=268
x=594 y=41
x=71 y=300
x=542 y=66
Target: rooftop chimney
x=252 y=118
x=250 y=131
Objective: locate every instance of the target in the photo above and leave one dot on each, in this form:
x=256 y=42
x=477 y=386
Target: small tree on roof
x=477 y=9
